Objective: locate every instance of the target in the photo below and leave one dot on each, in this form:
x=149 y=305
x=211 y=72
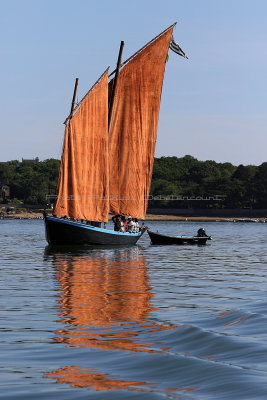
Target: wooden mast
x=74 y=96
x=115 y=84
x=71 y=111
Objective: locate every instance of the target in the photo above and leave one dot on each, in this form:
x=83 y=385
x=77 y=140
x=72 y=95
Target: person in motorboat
x=202 y=233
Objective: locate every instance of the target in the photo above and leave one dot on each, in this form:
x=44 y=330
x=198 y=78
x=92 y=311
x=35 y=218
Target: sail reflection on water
x=104 y=300
x=104 y=289
x=90 y=378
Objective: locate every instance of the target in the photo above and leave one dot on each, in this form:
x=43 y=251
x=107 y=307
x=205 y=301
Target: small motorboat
x=158 y=238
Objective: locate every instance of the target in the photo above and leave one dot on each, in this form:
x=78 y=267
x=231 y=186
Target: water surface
x=144 y=322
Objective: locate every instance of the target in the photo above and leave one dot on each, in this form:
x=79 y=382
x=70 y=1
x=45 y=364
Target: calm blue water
x=147 y=322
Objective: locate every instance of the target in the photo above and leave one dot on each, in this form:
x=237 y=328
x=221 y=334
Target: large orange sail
x=83 y=183
x=133 y=128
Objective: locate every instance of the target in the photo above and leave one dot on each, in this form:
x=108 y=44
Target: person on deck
x=117 y=223
x=124 y=225
x=131 y=225
x=137 y=226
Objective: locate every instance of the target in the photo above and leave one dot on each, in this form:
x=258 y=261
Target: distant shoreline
x=149 y=217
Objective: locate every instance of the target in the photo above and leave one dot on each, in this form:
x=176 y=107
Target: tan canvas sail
x=133 y=127
x=83 y=179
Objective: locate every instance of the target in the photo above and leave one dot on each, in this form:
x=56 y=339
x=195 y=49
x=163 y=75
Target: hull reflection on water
x=103 y=301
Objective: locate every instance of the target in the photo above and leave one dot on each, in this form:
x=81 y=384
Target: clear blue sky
x=214 y=105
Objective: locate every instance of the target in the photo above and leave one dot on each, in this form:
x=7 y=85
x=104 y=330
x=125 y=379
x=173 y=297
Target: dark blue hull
x=64 y=232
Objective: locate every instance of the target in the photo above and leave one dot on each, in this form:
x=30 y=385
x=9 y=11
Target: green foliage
x=259 y=188
x=242 y=186
x=30 y=182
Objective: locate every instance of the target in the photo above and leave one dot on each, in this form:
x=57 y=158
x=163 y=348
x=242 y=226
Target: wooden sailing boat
x=108 y=152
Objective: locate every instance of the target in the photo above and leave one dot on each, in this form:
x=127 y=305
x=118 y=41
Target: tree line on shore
x=176 y=183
